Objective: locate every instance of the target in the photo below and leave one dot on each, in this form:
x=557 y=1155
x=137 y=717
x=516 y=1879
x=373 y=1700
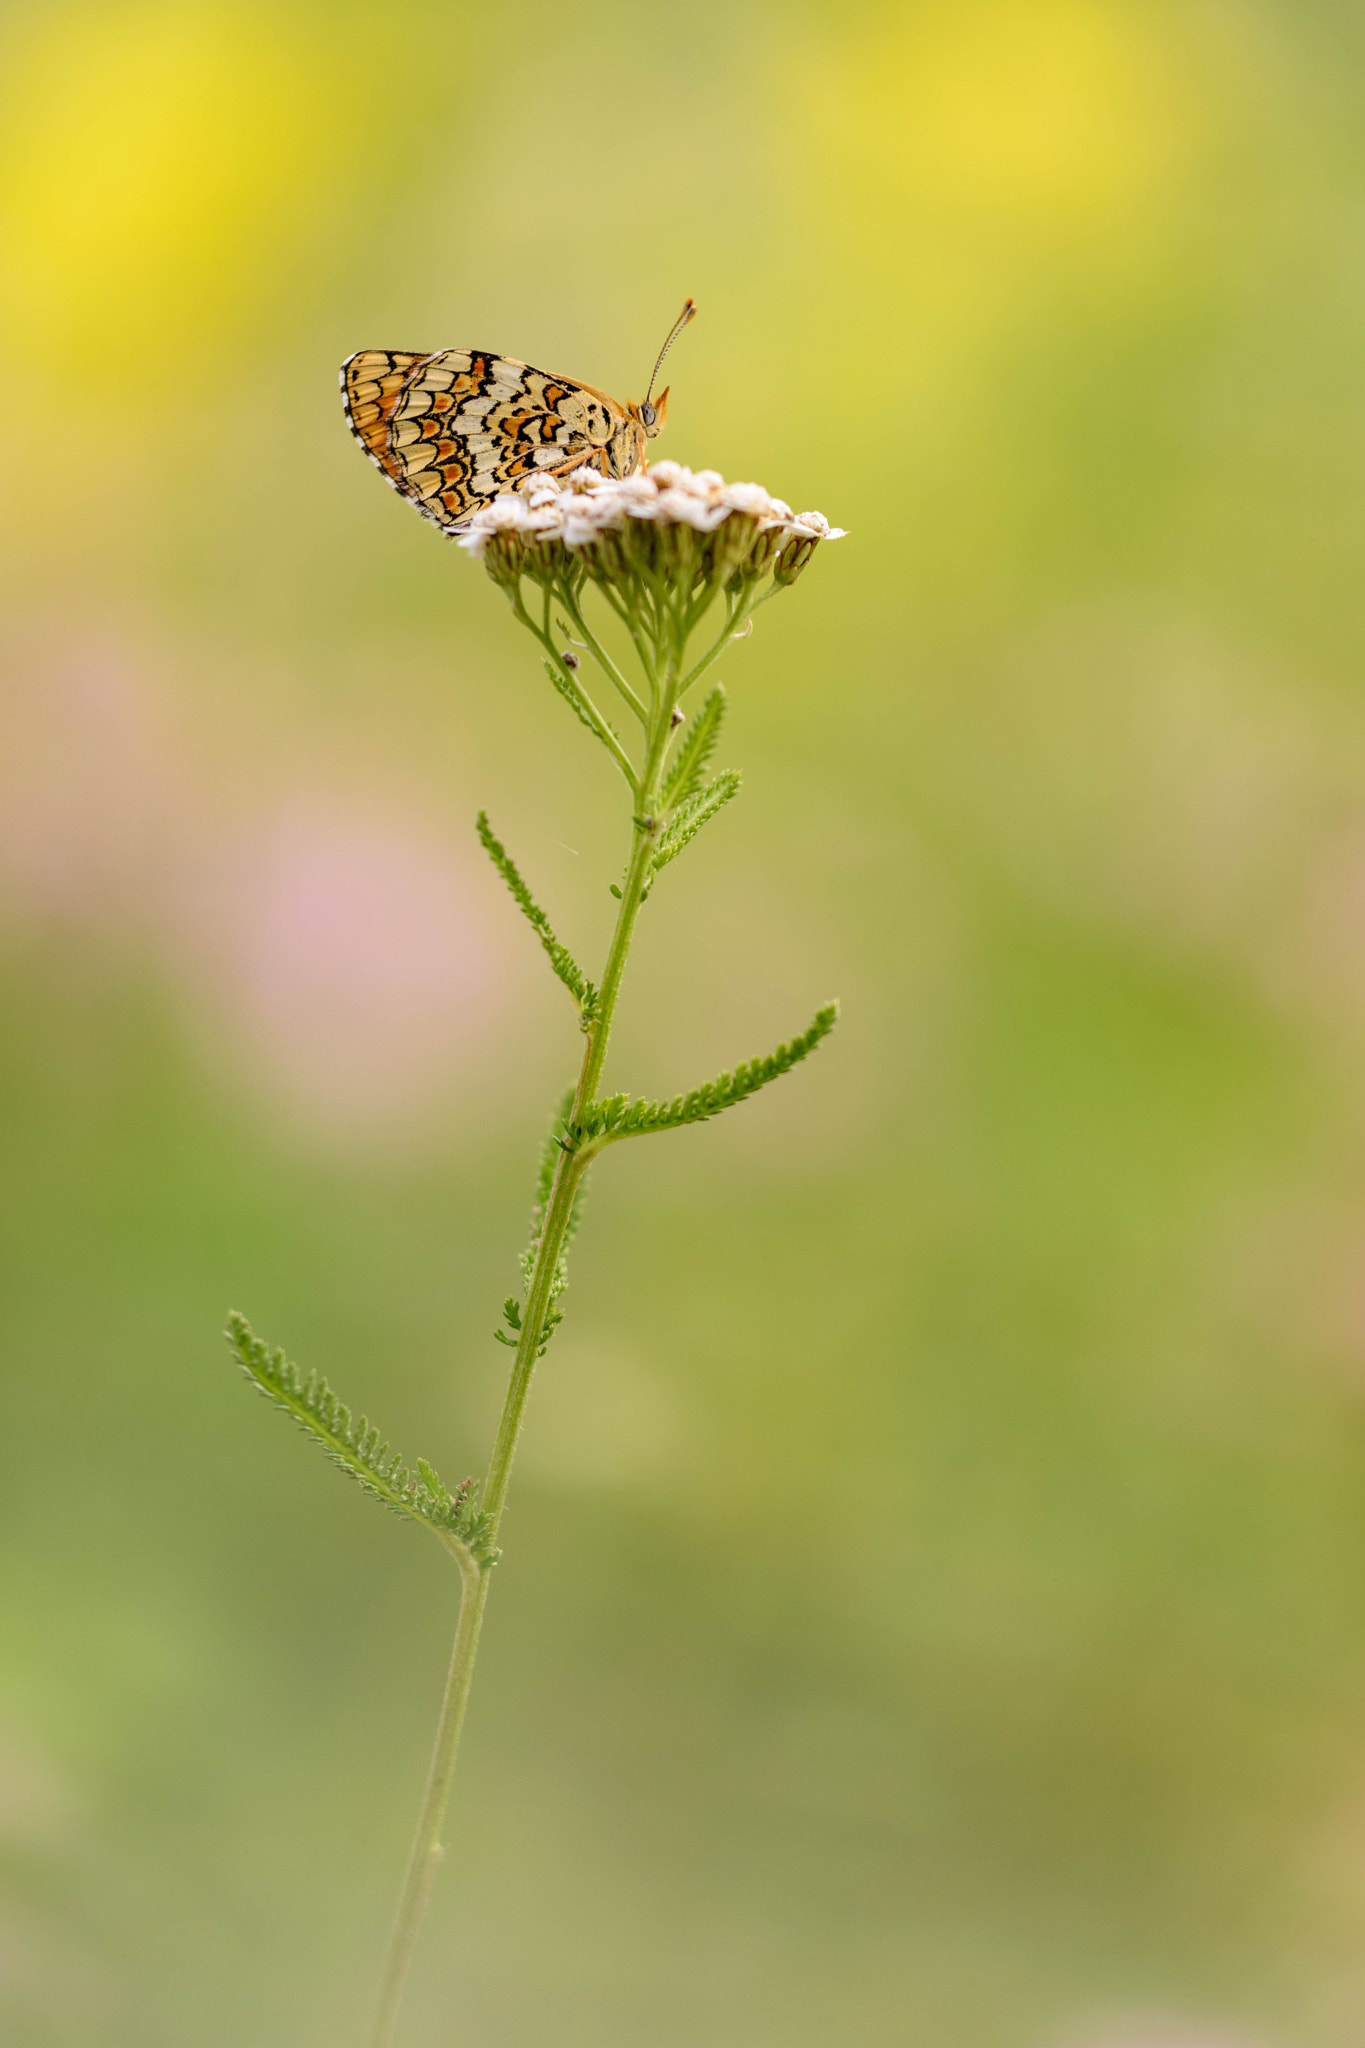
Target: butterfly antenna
x=678 y=325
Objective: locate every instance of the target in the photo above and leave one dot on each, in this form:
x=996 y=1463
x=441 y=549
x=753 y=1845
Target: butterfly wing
x=454 y=429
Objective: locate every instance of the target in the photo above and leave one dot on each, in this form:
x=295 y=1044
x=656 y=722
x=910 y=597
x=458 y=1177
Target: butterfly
x=454 y=429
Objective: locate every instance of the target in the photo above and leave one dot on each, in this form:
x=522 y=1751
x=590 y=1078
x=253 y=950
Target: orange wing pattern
x=454 y=429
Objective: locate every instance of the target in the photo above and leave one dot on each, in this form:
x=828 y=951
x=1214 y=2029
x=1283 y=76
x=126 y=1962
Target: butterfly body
x=454 y=428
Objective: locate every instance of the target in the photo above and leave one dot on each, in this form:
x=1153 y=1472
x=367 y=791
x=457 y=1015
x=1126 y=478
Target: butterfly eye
x=648 y=414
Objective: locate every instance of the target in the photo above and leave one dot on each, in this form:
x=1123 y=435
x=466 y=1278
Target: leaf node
x=691 y=815
x=357 y=1447
x=618 y=1116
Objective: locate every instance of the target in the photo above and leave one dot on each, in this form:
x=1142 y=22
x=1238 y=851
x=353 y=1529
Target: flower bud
x=731 y=544
x=760 y=557
x=504 y=559
x=548 y=560
x=605 y=560
x=793 y=558
x=676 y=547
x=639 y=547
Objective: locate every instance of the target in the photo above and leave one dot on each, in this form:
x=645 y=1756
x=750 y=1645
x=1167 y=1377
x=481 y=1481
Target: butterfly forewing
x=454 y=429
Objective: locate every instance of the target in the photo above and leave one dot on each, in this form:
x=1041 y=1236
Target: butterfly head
x=650 y=416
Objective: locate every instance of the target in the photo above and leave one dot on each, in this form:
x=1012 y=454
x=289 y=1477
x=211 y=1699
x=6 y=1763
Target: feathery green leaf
x=602 y=1123
x=586 y=712
x=572 y=695
x=582 y=990
x=556 y=1141
x=690 y=816
x=356 y=1446
x=551 y=1146
x=698 y=745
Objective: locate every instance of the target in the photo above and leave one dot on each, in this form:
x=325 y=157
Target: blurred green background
x=933 y=1609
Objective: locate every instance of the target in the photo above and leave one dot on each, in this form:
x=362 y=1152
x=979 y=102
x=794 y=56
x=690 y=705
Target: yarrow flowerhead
x=662 y=547
x=688 y=528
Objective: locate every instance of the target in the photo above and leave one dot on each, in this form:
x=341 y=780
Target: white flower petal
x=683 y=509
x=749 y=498
x=579 y=507
x=504 y=515
x=816 y=524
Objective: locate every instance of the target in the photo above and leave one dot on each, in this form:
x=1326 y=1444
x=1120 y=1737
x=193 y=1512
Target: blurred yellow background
x=933 y=1613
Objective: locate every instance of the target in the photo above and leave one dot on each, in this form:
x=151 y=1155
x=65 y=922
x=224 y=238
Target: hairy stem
x=570 y=1169
x=643 y=647
x=600 y=654
x=427 y=1852
x=596 y=720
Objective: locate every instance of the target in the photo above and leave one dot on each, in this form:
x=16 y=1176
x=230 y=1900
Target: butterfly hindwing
x=454 y=429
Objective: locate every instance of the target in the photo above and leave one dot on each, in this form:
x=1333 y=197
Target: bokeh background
x=933 y=1613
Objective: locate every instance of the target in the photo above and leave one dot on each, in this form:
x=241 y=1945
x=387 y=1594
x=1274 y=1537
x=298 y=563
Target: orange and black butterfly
x=454 y=429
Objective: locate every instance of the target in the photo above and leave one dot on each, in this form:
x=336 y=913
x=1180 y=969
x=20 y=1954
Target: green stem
x=427 y=1852
x=643 y=648
x=601 y=656
x=599 y=723
x=733 y=625
x=569 y=1172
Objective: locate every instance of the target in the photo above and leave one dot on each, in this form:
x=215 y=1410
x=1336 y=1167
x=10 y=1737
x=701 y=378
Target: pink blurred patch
x=92 y=778
x=336 y=936
x=354 y=964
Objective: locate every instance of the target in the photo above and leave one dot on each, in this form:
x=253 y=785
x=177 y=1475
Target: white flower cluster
x=585 y=506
